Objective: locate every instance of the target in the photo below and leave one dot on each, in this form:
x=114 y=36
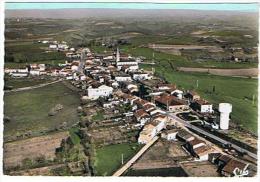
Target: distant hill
x=137 y=13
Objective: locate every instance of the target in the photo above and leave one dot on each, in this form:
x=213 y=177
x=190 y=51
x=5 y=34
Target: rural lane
x=33 y=87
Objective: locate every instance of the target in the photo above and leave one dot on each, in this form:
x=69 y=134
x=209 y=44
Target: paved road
x=188 y=125
x=33 y=87
x=137 y=156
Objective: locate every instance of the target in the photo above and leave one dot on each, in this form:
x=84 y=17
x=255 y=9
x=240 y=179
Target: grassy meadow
x=28 y=110
x=108 y=158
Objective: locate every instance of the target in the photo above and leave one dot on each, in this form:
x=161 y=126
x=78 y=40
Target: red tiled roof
x=202 y=102
x=232 y=164
x=169 y=99
x=140 y=113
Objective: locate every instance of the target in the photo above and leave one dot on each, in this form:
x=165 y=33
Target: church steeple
x=117 y=55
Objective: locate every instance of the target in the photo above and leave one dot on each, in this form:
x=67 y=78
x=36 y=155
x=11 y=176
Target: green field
x=162 y=172
x=108 y=158
x=23 y=82
x=237 y=91
x=28 y=110
x=30 y=52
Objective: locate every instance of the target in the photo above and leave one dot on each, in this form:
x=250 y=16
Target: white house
x=141 y=116
x=19 y=74
x=177 y=93
x=130 y=64
x=203 y=106
x=132 y=88
x=97 y=90
x=151 y=129
x=53 y=46
x=35 y=72
x=42 y=67
x=123 y=78
x=141 y=76
x=74 y=67
x=170 y=134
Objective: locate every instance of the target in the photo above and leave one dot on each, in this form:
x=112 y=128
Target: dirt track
x=252 y=72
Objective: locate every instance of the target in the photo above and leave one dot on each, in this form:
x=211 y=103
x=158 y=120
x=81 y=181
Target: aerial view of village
x=115 y=89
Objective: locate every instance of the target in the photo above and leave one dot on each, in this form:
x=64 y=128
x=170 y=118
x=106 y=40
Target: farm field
x=28 y=110
x=250 y=72
x=24 y=82
x=15 y=153
x=30 y=52
x=177 y=60
x=108 y=158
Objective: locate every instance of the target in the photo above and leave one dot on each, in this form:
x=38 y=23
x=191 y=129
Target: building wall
x=123 y=79
x=178 y=108
x=140 y=76
x=97 y=92
x=171 y=136
x=206 y=109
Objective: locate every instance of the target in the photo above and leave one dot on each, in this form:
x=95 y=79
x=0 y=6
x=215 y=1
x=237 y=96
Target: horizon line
x=242 y=7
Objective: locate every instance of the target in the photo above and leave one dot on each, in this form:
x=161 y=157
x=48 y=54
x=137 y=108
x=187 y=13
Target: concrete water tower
x=225 y=109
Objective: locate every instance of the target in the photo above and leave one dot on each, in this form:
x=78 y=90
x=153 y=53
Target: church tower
x=117 y=55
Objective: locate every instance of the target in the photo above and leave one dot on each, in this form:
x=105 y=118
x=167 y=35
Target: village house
x=148 y=107
x=131 y=64
x=132 y=88
x=171 y=103
x=96 y=90
x=165 y=87
x=177 y=93
x=170 y=134
x=122 y=77
x=155 y=112
x=53 y=46
x=185 y=136
x=198 y=149
x=141 y=116
x=151 y=129
x=19 y=74
x=141 y=76
x=192 y=95
x=202 y=106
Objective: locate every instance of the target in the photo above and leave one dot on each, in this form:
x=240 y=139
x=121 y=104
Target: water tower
x=225 y=109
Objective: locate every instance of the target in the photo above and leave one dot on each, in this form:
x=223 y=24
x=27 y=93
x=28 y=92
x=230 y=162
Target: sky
x=227 y=7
